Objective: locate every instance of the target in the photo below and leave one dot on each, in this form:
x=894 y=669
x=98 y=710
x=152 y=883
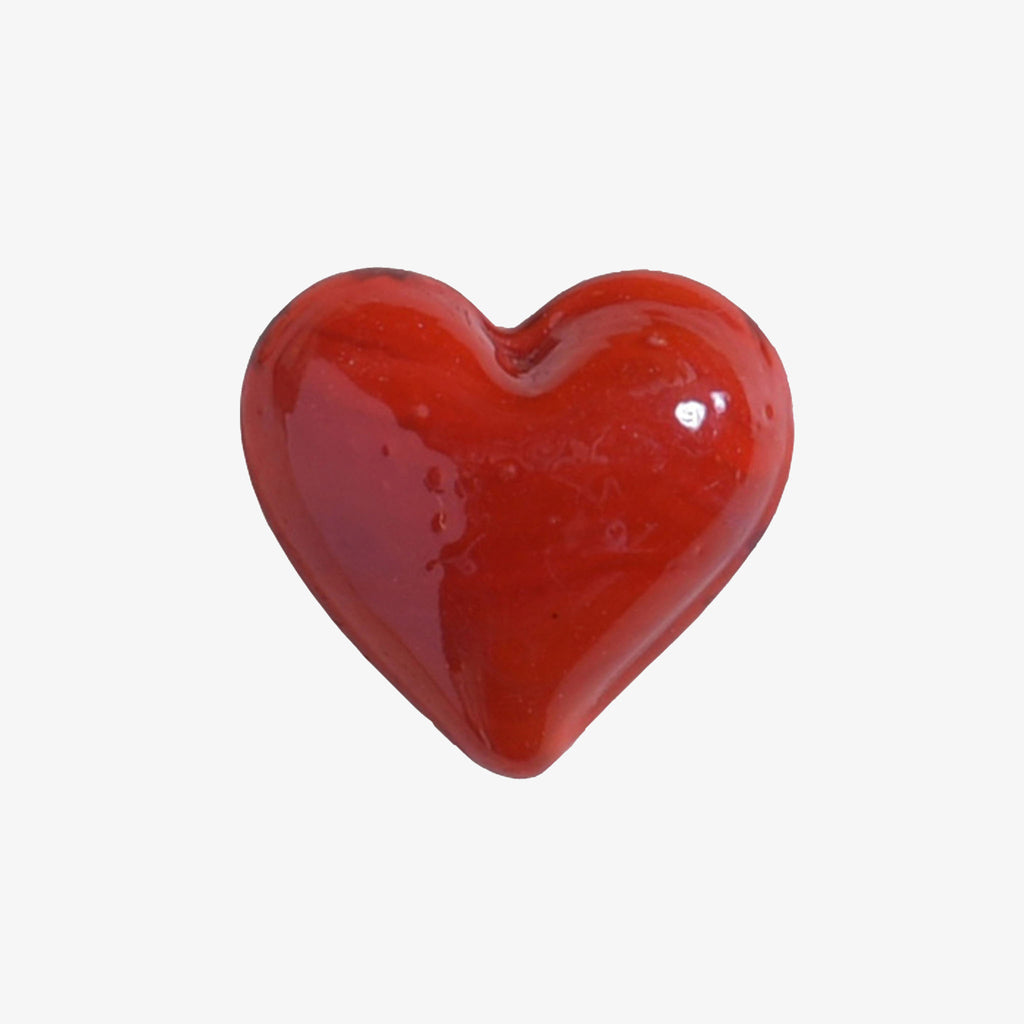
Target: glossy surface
x=511 y=524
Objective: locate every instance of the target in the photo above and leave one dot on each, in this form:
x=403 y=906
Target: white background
x=809 y=810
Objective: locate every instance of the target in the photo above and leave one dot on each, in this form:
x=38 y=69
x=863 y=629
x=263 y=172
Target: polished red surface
x=511 y=524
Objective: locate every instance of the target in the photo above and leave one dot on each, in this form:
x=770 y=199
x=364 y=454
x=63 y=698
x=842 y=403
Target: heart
x=511 y=524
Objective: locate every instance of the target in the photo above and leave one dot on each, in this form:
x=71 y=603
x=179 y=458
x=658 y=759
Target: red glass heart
x=511 y=524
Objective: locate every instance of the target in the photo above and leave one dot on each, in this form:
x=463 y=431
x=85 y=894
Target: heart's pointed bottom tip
x=514 y=756
x=511 y=768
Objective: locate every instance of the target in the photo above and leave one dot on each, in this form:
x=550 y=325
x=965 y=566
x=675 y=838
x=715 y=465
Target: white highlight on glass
x=691 y=414
x=720 y=400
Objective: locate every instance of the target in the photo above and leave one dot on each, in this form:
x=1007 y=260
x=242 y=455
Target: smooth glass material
x=511 y=524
